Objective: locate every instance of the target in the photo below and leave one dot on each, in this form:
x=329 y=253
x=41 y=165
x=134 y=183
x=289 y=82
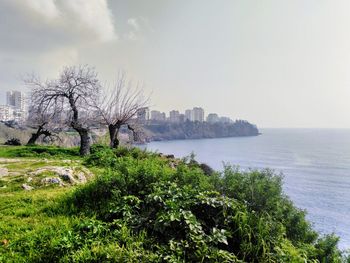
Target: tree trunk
x=113 y=135
x=35 y=137
x=85 y=142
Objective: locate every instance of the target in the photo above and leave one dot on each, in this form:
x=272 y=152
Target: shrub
x=191 y=217
x=13 y=142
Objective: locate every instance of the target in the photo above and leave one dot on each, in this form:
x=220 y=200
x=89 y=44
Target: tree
x=119 y=106
x=74 y=92
x=44 y=119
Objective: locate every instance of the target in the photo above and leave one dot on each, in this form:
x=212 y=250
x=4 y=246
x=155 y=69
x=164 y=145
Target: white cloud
x=46 y=8
x=93 y=14
x=133 y=22
x=80 y=18
x=138 y=26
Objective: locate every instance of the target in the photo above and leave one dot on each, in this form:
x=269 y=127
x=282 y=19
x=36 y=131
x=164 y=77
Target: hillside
x=128 y=205
x=158 y=131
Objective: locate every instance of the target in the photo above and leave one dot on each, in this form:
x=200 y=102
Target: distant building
x=15 y=108
x=213 y=118
x=158 y=116
x=6 y=113
x=188 y=115
x=16 y=99
x=198 y=114
x=174 y=116
x=143 y=114
x=181 y=117
x=226 y=120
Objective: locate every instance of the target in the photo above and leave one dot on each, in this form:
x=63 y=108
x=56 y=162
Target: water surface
x=315 y=164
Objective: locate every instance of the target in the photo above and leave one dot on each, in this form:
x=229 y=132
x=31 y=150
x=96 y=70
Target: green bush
x=39 y=152
x=192 y=217
x=142 y=207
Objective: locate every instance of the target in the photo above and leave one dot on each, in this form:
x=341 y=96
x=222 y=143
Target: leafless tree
x=118 y=106
x=45 y=120
x=74 y=91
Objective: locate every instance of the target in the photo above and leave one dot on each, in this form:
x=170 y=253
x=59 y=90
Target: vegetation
x=77 y=100
x=146 y=207
x=157 y=131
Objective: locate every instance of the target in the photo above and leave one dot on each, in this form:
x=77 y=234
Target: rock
x=81 y=177
x=52 y=180
x=66 y=174
x=172 y=165
x=29 y=179
x=3 y=171
x=170 y=156
x=27 y=187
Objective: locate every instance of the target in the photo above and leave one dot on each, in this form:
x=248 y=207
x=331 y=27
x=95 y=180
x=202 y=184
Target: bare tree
x=75 y=91
x=44 y=120
x=119 y=106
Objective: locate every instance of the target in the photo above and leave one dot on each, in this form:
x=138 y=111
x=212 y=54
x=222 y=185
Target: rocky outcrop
x=158 y=131
x=65 y=175
x=3 y=171
x=52 y=181
x=27 y=187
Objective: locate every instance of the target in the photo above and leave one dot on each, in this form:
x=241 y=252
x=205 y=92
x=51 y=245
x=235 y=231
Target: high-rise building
x=16 y=99
x=143 y=114
x=198 y=114
x=6 y=113
x=213 y=118
x=158 y=116
x=188 y=115
x=174 y=116
x=226 y=120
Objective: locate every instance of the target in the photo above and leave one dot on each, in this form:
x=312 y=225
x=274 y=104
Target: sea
x=315 y=164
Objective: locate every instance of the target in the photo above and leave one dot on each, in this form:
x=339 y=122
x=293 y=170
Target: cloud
x=42 y=36
x=134 y=23
x=42 y=24
x=45 y=8
x=138 y=26
x=93 y=15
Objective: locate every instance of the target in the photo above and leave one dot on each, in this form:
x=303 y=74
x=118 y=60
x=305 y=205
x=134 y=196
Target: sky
x=275 y=63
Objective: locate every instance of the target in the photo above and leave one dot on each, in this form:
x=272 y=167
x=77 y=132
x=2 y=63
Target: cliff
x=158 y=131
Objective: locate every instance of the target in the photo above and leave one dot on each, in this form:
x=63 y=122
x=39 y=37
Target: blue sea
x=315 y=164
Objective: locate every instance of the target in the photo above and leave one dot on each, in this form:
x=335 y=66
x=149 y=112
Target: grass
x=140 y=208
x=27 y=217
x=45 y=152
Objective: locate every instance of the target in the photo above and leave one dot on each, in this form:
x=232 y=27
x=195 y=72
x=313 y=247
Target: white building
x=158 y=116
x=226 y=120
x=143 y=114
x=174 y=116
x=16 y=99
x=6 y=113
x=188 y=115
x=213 y=118
x=16 y=108
x=198 y=114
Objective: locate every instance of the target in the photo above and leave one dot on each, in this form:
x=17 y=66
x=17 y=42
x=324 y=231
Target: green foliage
x=142 y=207
x=262 y=193
x=39 y=152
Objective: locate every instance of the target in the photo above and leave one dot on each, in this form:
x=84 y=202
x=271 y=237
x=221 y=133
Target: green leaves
x=142 y=208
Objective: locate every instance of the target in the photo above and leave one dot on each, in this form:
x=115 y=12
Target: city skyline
x=15 y=107
x=274 y=63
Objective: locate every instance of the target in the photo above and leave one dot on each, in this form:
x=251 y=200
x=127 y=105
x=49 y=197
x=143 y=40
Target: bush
x=13 y=142
x=188 y=216
x=142 y=207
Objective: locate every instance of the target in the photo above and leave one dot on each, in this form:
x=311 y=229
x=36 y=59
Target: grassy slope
x=41 y=226
x=24 y=217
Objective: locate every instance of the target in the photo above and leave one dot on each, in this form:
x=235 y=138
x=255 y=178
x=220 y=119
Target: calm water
x=315 y=164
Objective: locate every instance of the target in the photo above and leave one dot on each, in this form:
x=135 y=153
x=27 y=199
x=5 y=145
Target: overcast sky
x=276 y=63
